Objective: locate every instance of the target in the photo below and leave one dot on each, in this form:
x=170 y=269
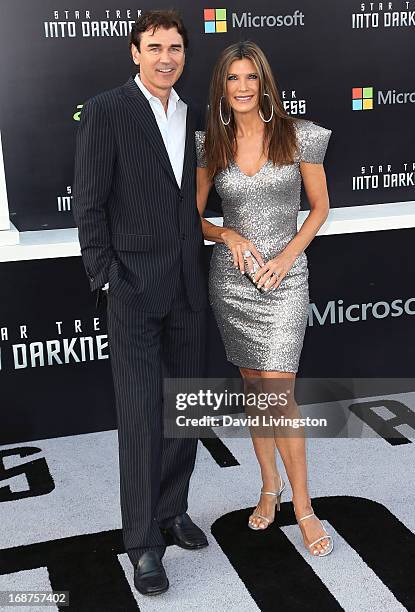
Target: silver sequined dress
x=263 y=331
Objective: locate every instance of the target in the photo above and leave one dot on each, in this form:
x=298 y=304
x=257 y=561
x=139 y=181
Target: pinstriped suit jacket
x=136 y=225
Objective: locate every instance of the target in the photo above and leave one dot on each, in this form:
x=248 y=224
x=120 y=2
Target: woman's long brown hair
x=280 y=144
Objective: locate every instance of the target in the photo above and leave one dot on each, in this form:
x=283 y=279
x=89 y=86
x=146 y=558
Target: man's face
x=161 y=58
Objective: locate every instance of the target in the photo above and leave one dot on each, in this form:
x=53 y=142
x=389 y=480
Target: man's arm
x=94 y=163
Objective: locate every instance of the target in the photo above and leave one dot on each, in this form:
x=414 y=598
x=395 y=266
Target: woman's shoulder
x=306 y=126
x=312 y=140
x=200 y=148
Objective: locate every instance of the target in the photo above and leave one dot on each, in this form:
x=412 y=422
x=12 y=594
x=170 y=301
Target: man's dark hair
x=153 y=20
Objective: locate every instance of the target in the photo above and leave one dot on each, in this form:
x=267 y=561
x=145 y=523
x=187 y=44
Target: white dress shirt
x=172 y=128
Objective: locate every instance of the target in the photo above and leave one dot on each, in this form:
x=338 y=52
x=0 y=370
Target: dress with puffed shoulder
x=263 y=331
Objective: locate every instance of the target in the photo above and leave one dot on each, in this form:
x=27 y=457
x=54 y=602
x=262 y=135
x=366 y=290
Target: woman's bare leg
x=292 y=449
x=265 y=452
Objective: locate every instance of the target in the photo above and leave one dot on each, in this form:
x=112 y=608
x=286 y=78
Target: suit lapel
x=188 y=162
x=140 y=109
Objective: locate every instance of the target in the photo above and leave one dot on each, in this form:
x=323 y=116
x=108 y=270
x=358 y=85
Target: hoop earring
x=221 y=115
x=272 y=111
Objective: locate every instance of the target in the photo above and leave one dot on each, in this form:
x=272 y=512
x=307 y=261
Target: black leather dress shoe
x=185 y=533
x=149 y=575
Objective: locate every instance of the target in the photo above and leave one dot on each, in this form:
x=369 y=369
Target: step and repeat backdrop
x=55 y=376
x=345 y=65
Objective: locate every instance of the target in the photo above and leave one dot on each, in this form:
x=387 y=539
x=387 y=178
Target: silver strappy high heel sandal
x=325 y=537
x=277 y=496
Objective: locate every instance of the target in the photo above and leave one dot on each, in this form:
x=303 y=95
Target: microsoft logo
x=362 y=98
x=215 y=20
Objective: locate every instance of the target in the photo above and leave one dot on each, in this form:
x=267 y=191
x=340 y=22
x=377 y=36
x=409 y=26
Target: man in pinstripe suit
x=139 y=230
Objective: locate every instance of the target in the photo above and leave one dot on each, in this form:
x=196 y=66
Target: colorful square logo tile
x=362 y=98
x=215 y=20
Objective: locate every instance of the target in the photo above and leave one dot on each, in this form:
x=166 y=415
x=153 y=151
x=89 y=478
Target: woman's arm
x=204 y=185
x=315 y=185
x=236 y=243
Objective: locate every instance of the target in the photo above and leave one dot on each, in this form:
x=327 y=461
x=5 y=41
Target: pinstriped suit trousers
x=154 y=471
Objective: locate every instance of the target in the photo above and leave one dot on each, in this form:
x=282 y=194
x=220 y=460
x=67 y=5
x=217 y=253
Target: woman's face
x=242 y=86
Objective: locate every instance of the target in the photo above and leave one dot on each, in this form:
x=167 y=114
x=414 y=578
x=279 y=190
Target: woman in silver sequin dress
x=257 y=155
